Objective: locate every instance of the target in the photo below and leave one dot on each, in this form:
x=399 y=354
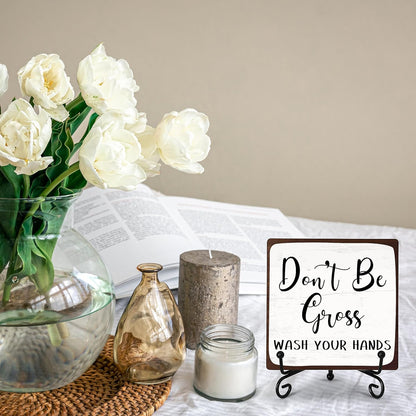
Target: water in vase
x=49 y=340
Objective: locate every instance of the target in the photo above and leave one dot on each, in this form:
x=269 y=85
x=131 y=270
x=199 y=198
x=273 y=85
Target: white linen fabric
x=312 y=394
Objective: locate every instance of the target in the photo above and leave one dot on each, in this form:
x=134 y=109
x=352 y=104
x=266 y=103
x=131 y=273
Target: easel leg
x=287 y=374
x=374 y=374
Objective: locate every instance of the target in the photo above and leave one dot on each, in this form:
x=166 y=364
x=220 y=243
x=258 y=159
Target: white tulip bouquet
x=117 y=150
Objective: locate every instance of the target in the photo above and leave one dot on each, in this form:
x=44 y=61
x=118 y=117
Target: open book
x=143 y=226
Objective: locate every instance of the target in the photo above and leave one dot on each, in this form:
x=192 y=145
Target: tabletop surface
x=312 y=393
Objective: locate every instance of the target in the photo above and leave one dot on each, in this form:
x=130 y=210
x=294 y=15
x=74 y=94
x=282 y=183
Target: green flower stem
x=56 y=332
x=6 y=292
x=54 y=335
x=74 y=103
x=11 y=270
x=73 y=168
x=63 y=330
x=26 y=186
x=12 y=263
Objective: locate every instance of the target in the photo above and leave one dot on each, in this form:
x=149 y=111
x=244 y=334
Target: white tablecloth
x=312 y=393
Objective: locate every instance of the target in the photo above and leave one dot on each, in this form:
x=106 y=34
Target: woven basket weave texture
x=99 y=391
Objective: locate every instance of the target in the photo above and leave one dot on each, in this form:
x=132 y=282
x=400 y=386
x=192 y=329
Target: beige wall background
x=311 y=102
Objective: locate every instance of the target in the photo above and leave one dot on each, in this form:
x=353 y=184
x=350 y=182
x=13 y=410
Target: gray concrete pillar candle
x=208 y=291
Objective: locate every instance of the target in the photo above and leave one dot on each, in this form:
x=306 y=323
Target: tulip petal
x=59 y=113
x=4 y=79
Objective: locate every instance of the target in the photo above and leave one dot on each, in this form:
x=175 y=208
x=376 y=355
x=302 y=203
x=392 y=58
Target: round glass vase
x=57 y=300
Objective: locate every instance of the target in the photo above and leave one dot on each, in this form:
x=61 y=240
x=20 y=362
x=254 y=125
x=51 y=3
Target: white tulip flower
x=109 y=155
x=44 y=79
x=4 y=79
x=24 y=135
x=182 y=140
x=107 y=84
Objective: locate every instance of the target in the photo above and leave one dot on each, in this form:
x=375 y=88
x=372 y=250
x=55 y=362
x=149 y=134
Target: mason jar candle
x=226 y=363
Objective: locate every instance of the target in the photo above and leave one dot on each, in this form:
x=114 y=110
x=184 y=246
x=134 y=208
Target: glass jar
x=226 y=363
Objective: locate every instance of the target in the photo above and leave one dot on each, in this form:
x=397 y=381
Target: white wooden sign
x=332 y=304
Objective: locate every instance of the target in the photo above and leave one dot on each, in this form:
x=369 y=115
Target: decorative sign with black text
x=332 y=303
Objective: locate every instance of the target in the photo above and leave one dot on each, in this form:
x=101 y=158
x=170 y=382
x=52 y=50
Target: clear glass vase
x=57 y=301
x=149 y=345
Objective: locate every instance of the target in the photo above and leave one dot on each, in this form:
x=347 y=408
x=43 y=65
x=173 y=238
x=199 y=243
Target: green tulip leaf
x=91 y=123
x=76 y=120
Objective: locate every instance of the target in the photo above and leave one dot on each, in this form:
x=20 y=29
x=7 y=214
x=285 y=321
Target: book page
x=129 y=228
x=239 y=229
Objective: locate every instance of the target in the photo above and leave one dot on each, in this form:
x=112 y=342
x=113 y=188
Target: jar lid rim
x=227 y=337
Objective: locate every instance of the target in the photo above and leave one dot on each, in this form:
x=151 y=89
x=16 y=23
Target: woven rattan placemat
x=99 y=391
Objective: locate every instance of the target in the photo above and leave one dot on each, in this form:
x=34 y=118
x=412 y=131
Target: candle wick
x=210 y=255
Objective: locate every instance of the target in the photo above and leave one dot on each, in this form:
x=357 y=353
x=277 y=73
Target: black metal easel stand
x=287 y=388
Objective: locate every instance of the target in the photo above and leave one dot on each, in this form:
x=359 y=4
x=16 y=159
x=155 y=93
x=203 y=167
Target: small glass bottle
x=149 y=345
x=226 y=363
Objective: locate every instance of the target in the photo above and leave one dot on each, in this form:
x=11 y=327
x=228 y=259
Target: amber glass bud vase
x=149 y=345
